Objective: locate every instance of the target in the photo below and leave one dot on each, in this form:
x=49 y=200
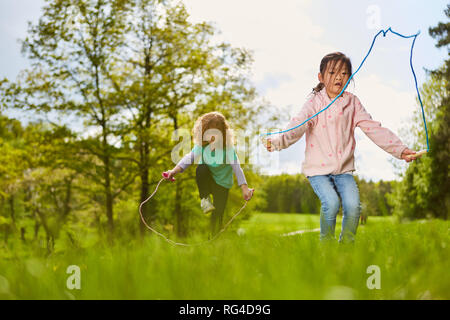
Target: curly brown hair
x=212 y=120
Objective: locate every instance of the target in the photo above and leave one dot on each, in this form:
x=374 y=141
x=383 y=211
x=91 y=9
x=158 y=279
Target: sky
x=288 y=39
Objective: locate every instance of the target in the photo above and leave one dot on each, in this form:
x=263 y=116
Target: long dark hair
x=334 y=57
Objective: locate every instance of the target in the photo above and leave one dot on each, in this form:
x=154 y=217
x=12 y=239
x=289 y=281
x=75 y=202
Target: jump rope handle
x=166 y=175
x=253 y=191
x=266 y=141
x=416 y=155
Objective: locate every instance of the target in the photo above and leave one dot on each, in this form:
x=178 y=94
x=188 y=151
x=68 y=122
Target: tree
x=130 y=72
x=36 y=186
x=13 y=159
x=72 y=49
x=171 y=72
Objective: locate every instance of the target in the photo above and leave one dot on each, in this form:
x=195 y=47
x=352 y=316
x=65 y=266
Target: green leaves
x=127 y=73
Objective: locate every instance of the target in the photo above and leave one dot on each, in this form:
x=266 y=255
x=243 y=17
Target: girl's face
x=335 y=77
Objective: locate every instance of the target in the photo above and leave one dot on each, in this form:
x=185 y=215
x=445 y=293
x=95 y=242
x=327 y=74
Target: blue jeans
x=331 y=189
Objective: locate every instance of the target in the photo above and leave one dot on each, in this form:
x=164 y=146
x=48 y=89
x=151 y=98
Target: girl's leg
x=204 y=180
x=324 y=187
x=351 y=207
x=220 y=195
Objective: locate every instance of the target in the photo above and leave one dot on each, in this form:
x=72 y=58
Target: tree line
x=289 y=193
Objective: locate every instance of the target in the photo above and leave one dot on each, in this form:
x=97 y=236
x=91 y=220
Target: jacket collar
x=340 y=102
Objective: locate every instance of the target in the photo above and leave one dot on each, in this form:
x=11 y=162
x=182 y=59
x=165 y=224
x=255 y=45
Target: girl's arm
x=240 y=176
x=183 y=164
x=382 y=137
x=239 y=173
x=284 y=140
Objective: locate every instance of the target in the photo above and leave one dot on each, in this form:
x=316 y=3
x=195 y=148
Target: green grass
x=278 y=224
x=257 y=264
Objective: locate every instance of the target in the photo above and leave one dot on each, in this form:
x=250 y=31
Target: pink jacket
x=330 y=140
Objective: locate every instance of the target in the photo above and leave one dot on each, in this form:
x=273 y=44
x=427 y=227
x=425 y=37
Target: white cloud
x=283 y=37
x=386 y=103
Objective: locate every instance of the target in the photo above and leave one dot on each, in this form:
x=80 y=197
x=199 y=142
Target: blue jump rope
x=348 y=81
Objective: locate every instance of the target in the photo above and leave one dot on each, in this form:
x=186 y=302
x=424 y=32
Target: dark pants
x=206 y=186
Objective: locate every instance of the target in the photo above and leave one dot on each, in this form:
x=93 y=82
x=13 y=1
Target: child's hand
x=268 y=144
x=246 y=192
x=410 y=155
x=169 y=175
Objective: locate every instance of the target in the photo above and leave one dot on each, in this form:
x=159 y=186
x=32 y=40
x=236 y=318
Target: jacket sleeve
x=190 y=158
x=238 y=172
x=382 y=137
x=284 y=140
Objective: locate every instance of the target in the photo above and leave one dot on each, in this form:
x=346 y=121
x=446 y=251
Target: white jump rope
x=165 y=176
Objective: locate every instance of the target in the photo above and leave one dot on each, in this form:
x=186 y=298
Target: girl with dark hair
x=330 y=145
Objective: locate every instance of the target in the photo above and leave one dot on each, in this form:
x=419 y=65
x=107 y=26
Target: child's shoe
x=206 y=205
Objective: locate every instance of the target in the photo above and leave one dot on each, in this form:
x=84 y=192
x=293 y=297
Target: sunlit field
x=253 y=260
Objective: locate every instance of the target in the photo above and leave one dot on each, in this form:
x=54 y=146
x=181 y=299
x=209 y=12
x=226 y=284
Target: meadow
x=252 y=260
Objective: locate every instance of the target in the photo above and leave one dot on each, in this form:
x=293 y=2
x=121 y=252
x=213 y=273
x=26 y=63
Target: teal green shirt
x=218 y=162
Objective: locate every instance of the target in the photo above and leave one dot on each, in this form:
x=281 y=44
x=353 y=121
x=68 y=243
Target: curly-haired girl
x=217 y=160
